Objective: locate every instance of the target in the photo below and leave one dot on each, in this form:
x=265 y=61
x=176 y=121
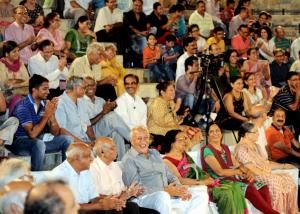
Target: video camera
x=211 y=60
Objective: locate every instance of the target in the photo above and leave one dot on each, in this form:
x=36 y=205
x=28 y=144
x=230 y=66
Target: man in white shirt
x=104 y=121
x=49 y=66
x=295 y=48
x=202 y=19
x=107 y=175
x=76 y=8
x=130 y=107
x=258 y=116
x=190 y=47
x=75 y=171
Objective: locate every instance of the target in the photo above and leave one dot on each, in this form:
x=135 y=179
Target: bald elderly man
x=107 y=176
x=13 y=197
x=51 y=197
x=75 y=171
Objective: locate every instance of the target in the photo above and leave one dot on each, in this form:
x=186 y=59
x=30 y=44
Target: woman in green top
x=219 y=163
x=226 y=194
x=78 y=38
x=231 y=66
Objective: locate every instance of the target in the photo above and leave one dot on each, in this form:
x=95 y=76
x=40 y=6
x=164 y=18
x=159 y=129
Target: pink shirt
x=15 y=33
x=238 y=43
x=57 y=38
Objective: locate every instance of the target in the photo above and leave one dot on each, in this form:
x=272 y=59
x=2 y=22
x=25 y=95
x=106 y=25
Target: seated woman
x=51 y=31
x=6 y=11
x=111 y=67
x=282 y=187
x=78 y=38
x=13 y=73
x=227 y=194
x=220 y=164
x=260 y=69
x=254 y=94
x=231 y=66
x=236 y=104
x=162 y=112
x=35 y=12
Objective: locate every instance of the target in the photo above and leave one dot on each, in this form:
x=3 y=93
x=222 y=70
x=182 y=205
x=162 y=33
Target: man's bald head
x=79 y=155
x=76 y=150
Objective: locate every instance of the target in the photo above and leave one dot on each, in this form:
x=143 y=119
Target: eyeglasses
x=22 y=13
x=181 y=138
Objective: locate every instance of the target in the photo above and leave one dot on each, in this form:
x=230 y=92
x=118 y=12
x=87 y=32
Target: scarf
x=15 y=67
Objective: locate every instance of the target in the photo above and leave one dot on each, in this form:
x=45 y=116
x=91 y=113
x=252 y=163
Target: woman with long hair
x=282 y=187
x=217 y=160
x=265 y=44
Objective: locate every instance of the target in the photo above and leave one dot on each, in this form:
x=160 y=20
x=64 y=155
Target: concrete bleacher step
x=51 y=159
x=143 y=74
x=148 y=90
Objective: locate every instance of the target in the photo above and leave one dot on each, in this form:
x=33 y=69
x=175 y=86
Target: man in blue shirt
x=36 y=117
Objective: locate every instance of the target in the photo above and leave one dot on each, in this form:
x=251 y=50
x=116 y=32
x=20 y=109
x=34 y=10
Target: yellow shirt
x=114 y=68
x=221 y=43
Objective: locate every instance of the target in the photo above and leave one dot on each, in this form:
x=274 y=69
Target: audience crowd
x=222 y=69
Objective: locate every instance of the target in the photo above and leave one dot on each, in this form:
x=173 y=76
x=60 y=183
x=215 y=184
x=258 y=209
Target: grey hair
x=103 y=146
x=111 y=45
x=74 y=81
x=12 y=169
x=74 y=151
x=138 y=129
x=13 y=197
x=94 y=47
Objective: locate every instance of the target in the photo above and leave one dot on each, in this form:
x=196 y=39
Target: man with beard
x=36 y=117
x=281 y=141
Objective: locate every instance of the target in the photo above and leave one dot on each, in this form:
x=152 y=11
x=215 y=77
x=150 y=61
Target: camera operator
x=187 y=87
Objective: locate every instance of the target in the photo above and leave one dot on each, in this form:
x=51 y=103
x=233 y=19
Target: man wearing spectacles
x=130 y=107
x=21 y=33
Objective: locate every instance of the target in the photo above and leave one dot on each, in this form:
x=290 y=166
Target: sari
x=226 y=194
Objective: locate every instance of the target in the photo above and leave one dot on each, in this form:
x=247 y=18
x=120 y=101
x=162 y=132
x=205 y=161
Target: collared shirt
x=106 y=17
x=107 y=178
x=151 y=172
x=15 y=33
x=295 y=48
x=295 y=66
x=57 y=38
x=234 y=24
x=132 y=110
x=48 y=69
x=83 y=3
x=82 y=68
x=205 y=23
x=185 y=86
x=284 y=44
x=92 y=108
x=131 y=20
x=239 y=43
x=274 y=135
x=283 y=99
x=180 y=70
x=221 y=43
x=278 y=73
x=28 y=112
x=70 y=117
x=82 y=184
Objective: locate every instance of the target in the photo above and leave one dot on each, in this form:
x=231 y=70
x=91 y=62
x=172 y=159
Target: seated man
x=36 y=117
x=107 y=175
x=21 y=33
x=8 y=127
x=104 y=121
x=74 y=170
x=288 y=98
x=280 y=40
x=163 y=191
x=73 y=121
x=109 y=25
x=88 y=65
x=49 y=66
x=241 y=41
x=281 y=141
x=51 y=197
x=130 y=106
x=237 y=21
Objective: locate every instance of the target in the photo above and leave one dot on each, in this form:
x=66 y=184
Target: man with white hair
x=163 y=191
x=72 y=121
x=13 y=197
x=88 y=65
x=74 y=170
x=107 y=176
x=104 y=121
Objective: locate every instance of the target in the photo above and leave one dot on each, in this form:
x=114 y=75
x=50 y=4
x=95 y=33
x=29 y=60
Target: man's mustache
x=281 y=121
